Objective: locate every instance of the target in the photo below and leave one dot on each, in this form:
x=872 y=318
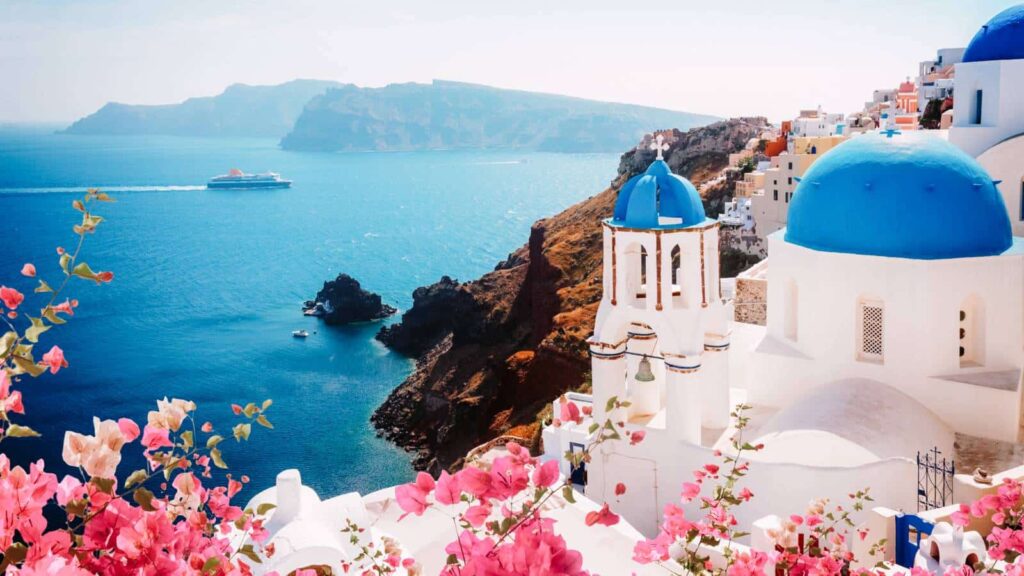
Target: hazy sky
x=62 y=59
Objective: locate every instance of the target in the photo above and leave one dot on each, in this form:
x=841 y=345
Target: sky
x=63 y=59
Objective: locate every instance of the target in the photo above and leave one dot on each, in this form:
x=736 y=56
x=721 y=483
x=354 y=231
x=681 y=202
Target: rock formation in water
x=493 y=352
x=343 y=301
x=453 y=115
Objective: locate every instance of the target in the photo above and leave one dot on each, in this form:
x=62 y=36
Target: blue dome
x=1002 y=38
x=646 y=199
x=908 y=196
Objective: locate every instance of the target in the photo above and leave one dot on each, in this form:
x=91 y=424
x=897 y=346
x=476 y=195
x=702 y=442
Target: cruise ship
x=235 y=178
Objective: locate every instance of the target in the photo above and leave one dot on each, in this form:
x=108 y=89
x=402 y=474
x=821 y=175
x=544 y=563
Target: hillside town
x=847 y=377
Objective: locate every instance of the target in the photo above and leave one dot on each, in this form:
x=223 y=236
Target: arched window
x=971 y=333
x=676 y=262
x=643 y=269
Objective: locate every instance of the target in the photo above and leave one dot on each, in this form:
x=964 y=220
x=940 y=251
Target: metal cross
x=659 y=146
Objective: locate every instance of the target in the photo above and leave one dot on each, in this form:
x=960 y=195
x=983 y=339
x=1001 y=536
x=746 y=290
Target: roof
x=1001 y=38
x=851 y=422
x=658 y=199
x=903 y=196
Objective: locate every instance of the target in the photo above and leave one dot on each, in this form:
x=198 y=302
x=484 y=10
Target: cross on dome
x=659 y=146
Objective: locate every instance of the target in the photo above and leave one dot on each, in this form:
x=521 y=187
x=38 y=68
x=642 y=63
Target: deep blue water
x=209 y=284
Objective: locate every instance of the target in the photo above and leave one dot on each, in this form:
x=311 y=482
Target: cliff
x=344 y=301
x=239 y=111
x=451 y=115
x=493 y=352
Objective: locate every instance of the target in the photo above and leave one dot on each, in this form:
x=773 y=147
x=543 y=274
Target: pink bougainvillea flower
x=64 y=307
x=603 y=516
x=104 y=276
x=129 y=429
x=746 y=494
x=154 y=437
x=54 y=359
x=411 y=499
x=9 y=401
x=569 y=411
x=690 y=491
x=711 y=468
x=637 y=436
x=546 y=474
x=475 y=481
x=236 y=409
x=29 y=270
x=961 y=517
x=477 y=515
x=620 y=489
x=448 y=491
x=11 y=297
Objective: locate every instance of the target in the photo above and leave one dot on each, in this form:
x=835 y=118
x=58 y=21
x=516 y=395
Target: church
x=895 y=319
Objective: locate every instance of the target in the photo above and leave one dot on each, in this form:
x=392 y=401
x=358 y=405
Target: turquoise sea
x=208 y=284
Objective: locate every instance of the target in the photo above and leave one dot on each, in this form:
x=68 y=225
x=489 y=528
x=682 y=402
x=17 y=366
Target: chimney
x=289 y=496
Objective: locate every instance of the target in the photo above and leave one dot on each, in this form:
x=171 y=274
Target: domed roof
x=905 y=196
x=658 y=199
x=1002 y=38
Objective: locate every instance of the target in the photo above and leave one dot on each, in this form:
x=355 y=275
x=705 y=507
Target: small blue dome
x=1002 y=38
x=658 y=199
x=908 y=196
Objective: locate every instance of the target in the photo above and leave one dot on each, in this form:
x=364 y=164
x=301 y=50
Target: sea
x=209 y=285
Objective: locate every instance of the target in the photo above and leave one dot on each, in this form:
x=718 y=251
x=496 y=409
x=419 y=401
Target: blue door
x=910 y=530
x=579 y=473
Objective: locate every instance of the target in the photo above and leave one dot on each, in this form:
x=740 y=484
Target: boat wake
x=112 y=189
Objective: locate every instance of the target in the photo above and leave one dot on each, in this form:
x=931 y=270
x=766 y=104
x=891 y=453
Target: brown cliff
x=493 y=352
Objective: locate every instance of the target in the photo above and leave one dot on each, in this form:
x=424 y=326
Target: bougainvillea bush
x=168 y=518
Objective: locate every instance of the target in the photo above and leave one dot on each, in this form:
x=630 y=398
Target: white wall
x=1005 y=162
x=1002 y=83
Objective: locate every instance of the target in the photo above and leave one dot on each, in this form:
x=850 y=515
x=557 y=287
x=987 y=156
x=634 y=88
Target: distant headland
x=317 y=115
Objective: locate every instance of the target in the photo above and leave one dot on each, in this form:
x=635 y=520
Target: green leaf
x=218 y=460
x=65 y=259
x=610 y=405
x=102 y=197
x=105 y=485
x=15 y=554
x=28 y=365
x=567 y=493
x=17 y=431
x=38 y=327
x=210 y=566
x=82 y=270
x=212 y=441
x=186 y=439
x=51 y=315
x=262 y=509
x=249 y=410
x=7 y=342
x=266 y=404
x=144 y=498
x=249 y=553
x=43 y=287
x=262 y=421
x=242 y=431
x=77 y=205
x=137 y=477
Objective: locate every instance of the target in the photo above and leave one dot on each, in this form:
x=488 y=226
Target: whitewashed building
x=895 y=320
x=988 y=109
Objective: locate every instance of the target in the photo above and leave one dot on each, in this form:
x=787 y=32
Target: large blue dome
x=907 y=196
x=1002 y=38
x=658 y=199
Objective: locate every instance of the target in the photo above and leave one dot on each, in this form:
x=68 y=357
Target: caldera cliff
x=493 y=352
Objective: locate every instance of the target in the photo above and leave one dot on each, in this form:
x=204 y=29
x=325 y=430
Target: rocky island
x=492 y=353
x=344 y=301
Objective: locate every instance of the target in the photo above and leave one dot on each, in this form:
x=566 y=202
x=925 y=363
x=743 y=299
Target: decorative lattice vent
x=871 y=343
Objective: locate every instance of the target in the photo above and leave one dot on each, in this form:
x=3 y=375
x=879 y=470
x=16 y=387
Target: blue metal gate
x=910 y=529
x=579 y=473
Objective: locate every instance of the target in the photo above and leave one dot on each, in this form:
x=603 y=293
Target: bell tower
x=661 y=337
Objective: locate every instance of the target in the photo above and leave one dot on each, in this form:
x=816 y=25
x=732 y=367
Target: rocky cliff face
x=493 y=352
x=343 y=301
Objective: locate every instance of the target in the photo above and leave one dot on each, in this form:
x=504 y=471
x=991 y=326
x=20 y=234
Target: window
x=814 y=149
x=775 y=195
x=676 y=262
x=791 y=167
x=872 y=331
x=643 y=269
x=977 y=107
x=789 y=181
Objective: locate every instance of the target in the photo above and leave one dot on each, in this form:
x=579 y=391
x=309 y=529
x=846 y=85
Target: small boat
x=236 y=179
x=300 y=333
